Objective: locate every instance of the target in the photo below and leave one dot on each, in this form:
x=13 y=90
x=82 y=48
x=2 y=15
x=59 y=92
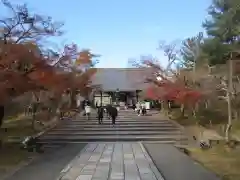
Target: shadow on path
x=49 y=165
x=174 y=165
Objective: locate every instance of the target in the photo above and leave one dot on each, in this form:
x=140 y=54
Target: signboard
x=105 y=101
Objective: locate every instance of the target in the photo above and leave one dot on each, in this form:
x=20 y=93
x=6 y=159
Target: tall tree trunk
x=182 y=110
x=1 y=120
x=236 y=114
x=35 y=107
x=162 y=105
x=194 y=110
x=33 y=120
x=207 y=104
x=229 y=100
x=73 y=98
x=1 y=115
x=194 y=113
x=169 y=107
x=229 y=124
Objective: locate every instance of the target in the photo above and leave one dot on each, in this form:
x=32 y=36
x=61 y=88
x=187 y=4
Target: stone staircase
x=129 y=127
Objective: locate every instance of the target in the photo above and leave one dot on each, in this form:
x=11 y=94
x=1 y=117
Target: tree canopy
x=28 y=64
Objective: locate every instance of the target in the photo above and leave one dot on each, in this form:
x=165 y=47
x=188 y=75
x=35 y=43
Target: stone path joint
x=112 y=161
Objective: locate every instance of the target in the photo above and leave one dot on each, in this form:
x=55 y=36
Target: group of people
x=110 y=111
x=140 y=109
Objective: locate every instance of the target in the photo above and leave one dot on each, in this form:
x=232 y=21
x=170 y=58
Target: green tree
x=214 y=51
x=224 y=28
x=191 y=51
x=224 y=23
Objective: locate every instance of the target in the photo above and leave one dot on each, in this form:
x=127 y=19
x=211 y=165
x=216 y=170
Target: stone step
x=119 y=117
x=118 y=125
x=52 y=147
x=121 y=114
x=99 y=133
x=106 y=142
x=66 y=139
x=110 y=128
x=120 y=122
x=117 y=122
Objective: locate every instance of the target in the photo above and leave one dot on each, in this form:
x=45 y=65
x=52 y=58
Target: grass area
x=184 y=121
x=16 y=129
x=11 y=156
x=236 y=130
x=19 y=129
x=224 y=162
x=15 y=118
x=10 y=153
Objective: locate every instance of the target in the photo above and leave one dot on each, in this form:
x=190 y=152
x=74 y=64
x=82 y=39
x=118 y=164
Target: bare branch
x=23 y=26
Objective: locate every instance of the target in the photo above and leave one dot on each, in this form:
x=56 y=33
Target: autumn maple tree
x=28 y=65
x=166 y=85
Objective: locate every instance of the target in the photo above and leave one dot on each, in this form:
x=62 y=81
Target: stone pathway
x=111 y=161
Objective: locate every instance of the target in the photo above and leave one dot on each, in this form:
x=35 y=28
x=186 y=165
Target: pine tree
x=224 y=26
x=224 y=23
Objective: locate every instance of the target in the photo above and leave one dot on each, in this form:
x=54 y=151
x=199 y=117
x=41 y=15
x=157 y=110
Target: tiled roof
x=124 y=79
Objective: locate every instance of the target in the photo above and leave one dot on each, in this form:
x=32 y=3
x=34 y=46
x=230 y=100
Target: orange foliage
x=23 y=68
x=166 y=89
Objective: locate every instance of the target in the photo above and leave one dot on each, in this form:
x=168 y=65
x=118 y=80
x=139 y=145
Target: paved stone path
x=111 y=161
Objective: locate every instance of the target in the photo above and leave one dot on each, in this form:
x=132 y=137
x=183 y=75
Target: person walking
x=144 y=110
x=138 y=108
x=79 y=100
x=118 y=107
x=87 y=111
x=100 y=114
x=134 y=107
x=114 y=114
x=108 y=109
x=1 y=115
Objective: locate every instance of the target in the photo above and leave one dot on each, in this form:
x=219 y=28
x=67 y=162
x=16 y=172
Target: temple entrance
x=122 y=98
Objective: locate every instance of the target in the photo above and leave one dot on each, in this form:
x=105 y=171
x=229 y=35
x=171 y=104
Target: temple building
x=119 y=85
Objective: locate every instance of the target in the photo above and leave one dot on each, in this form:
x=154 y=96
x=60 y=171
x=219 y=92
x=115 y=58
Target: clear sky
x=123 y=29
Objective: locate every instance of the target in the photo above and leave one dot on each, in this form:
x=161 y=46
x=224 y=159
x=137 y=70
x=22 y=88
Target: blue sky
x=123 y=29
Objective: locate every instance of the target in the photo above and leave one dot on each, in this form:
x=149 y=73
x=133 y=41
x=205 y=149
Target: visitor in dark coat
x=108 y=109
x=144 y=111
x=100 y=114
x=1 y=114
x=113 y=114
x=134 y=106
